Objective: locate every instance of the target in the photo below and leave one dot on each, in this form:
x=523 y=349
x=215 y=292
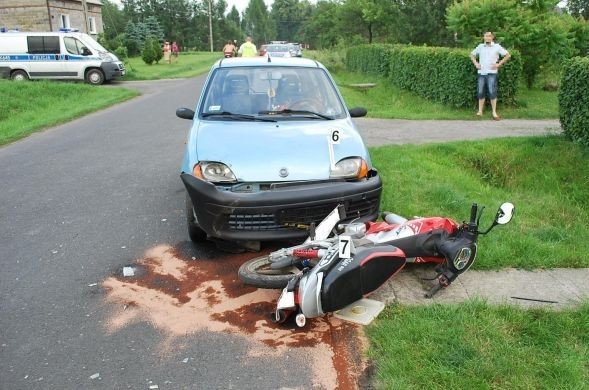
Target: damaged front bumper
x=281 y=212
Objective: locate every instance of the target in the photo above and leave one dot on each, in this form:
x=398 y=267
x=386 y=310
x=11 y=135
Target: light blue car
x=273 y=149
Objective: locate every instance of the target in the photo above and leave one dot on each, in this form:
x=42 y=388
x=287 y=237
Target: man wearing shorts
x=488 y=54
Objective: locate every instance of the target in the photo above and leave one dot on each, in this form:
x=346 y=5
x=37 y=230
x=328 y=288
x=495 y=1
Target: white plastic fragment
x=185 y=360
x=92 y=284
x=164 y=219
x=128 y=271
x=94 y=376
x=153 y=387
x=123 y=247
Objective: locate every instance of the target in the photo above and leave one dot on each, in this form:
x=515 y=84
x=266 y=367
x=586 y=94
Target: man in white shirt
x=488 y=54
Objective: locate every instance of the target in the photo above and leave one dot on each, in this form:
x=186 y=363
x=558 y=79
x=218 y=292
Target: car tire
x=19 y=75
x=195 y=233
x=248 y=274
x=94 y=77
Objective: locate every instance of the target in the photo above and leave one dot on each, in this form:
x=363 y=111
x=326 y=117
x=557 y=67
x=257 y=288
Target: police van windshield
x=91 y=43
x=282 y=92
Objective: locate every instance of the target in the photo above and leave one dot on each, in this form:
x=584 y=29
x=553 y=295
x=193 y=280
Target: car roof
x=264 y=61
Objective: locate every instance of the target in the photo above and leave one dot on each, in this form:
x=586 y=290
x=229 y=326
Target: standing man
x=487 y=65
x=247 y=49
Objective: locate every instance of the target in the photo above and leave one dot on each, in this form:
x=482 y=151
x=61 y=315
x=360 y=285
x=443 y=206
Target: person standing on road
x=247 y=49
x=488 y=54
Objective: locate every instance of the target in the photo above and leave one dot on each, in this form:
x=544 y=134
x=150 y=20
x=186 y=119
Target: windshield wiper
x=237 y=117
x=296 y=112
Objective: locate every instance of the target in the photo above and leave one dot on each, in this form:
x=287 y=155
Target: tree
x=113 y=19
x=320 y=30
x=257 y=22
x=421 y=22
x=579 y=8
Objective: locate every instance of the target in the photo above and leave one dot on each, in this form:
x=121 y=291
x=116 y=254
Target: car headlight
x=215 y=172
x=349 y=168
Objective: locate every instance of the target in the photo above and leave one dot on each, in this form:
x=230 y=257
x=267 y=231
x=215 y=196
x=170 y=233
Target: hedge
x=573 y=100
x=438 y=73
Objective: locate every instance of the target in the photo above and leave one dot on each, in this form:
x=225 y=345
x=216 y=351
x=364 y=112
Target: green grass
x=478 y=346
x=31 y=106
x=547 y=178
x=388 y=101
x=189 y=65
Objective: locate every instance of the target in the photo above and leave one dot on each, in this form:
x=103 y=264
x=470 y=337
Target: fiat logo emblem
x=283 y=172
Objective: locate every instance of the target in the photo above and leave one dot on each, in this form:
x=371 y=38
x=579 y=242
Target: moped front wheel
x=257 y=272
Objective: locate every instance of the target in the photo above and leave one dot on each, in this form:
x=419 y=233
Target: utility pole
x=210 y=25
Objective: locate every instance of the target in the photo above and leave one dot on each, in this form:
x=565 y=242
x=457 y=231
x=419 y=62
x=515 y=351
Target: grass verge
x=188 y=65
x=547 y=179
x=387 y=101
x=31 y=106
x=478 y=346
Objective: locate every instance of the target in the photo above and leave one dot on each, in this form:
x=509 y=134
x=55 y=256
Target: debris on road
x=92 y=284
x=128 y=271
x=94 y=376
x=185 y=360
x=164 y=219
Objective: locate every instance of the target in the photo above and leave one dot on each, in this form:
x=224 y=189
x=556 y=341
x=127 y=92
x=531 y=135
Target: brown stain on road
x=181 y=295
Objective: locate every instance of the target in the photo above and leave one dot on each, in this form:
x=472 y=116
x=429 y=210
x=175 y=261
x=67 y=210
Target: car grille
x=290 y=217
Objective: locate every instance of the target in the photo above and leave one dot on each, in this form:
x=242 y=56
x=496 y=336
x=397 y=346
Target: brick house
x=51 y=15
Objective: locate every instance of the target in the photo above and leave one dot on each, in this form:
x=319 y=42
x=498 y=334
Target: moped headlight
x=215 y=172
x=348 y=168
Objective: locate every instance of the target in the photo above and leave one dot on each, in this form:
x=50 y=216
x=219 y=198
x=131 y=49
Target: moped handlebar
x=473 y=213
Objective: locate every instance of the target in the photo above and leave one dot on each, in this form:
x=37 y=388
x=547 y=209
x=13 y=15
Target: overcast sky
x=242 y=4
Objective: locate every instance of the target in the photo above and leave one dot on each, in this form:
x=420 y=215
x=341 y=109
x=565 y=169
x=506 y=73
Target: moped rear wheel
x=257 y=272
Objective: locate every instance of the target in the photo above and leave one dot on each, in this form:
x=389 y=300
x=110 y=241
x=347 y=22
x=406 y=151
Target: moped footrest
x=360 y=312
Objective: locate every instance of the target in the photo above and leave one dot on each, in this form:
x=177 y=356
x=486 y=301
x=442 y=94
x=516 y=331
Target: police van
x=56 y=55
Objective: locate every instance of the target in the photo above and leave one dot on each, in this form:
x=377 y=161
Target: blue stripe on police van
x=44 y=57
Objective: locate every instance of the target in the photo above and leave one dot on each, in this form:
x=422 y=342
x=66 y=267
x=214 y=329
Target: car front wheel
x=195 y=233
x=95 y=77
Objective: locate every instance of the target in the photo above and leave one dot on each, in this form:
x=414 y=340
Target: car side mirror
x=505 y=213
x=358 y=112
x=185 y=113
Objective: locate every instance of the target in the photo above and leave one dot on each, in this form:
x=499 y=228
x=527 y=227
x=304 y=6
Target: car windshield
x=284 y=93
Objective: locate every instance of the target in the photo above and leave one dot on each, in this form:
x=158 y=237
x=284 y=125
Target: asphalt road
x=78 y=203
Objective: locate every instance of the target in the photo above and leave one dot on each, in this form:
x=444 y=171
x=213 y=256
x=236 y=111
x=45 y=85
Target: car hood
x=259 y=151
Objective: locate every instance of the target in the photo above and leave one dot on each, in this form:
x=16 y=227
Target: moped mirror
x=185 y=113
x=505 y=213
x=503 y=216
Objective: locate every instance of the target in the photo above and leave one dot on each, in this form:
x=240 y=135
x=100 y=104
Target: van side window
x=43 y=45
x=73 y=45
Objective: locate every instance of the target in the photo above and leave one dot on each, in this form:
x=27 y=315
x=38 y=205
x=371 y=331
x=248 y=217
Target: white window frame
x=92 y=24
x=64 y=20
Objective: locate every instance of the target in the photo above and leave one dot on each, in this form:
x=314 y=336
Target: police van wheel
x=94 y=77
x=19 y=75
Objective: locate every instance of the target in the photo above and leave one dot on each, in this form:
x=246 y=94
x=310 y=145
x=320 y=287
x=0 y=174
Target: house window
x=92 y=24
x=65 y=20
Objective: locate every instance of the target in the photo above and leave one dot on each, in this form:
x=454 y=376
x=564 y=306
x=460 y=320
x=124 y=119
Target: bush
x=157 y=50
x=573 y=100
x=437 y=73
x=122 y=53
x=371 y=59
x=148 y=54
